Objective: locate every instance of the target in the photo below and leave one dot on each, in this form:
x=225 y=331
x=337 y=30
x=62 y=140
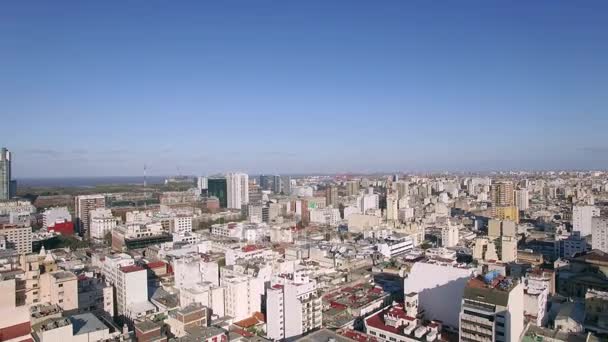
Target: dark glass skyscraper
x=217 y=187
x=5 y=174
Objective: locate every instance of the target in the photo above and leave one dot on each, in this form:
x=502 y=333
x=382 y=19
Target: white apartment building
x=193 y=269
x=241 y=296
x=202 y=183
x=392 y=208
x=537 y=286
x=181 y=225
x=393 y=246
x=368 y=201
x=439 y=289
x=83 y=205
x=132 y=292
x=449 y=236
x=325 y=216
x=208 y=295
x=292 y=309
x=18 y=237
x=600 y=233
x=522 y=199
x=581 y=218
x=406 y=214
x=237 y=188
x=101 y=222
x=492 y=312
x=57 y=214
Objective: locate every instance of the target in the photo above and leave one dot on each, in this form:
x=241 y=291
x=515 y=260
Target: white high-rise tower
x=237 y=188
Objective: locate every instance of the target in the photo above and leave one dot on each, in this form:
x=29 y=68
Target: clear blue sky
x=93 y=88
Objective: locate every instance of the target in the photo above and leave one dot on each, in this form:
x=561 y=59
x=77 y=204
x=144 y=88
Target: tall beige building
x=352 y=188
x=83 y=205
x=331 y=196
x=18 y=237
x=501 y=194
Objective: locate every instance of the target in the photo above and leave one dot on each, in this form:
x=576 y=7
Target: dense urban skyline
x=315 y=86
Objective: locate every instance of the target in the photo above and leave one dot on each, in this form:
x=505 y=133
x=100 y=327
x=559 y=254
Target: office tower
x=266 y=182
x=276 y=184
x=237 y=190
x=449 y=236
x=286 y=185
x=501 y=194
x=331 y=196
x=600 y=233
x=82 y=207
x=217 y=187
x=395 y=177
x=492 y=309
x=392 y=209
x=522 y=199
x=12 y=189
x=352 y=188
x=202 y=183
x=402 y=188
x=5 y=174
x=293 y=309
x=582 y=216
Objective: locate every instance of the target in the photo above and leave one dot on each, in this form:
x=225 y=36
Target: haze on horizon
x=102 y=88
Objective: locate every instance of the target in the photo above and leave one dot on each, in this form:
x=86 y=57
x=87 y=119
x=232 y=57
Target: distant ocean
x=87 y=182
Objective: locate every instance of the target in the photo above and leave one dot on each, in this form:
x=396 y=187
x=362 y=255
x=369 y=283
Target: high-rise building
x=582 y=216
x=352 y=188
x=522 y=199
x=84 y=204
x=202 y=183
x=18 y=237
x=266 y=182
x=392 y=208
x=449 y=235
x=237 y=190
x=5 y=174
x=331 y=196
x=293 y=309
x=242 y=297
x=501 y=194
x=369 y=201
x=276 y=184
x=600 y=233
x=492 y=309
x=286 y=185
x=217 y=188
x=402 y=188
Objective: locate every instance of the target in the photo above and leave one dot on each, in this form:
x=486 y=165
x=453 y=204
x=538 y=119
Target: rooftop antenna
x=145 y=193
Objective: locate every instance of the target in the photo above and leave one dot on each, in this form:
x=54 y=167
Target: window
x=382 y=336
x=393 y=339
x=61 y=301
x=60 y=285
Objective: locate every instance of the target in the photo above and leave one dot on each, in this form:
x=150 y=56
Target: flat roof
x=86 y=323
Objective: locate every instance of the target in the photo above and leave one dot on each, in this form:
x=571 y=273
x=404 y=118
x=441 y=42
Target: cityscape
x=317 y=171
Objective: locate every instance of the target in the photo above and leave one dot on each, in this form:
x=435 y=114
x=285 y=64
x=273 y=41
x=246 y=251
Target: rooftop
x=132 y=268
x=86 y=323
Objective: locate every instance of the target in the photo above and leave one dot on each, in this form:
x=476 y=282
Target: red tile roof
x=156 y=264
x=132 y=268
